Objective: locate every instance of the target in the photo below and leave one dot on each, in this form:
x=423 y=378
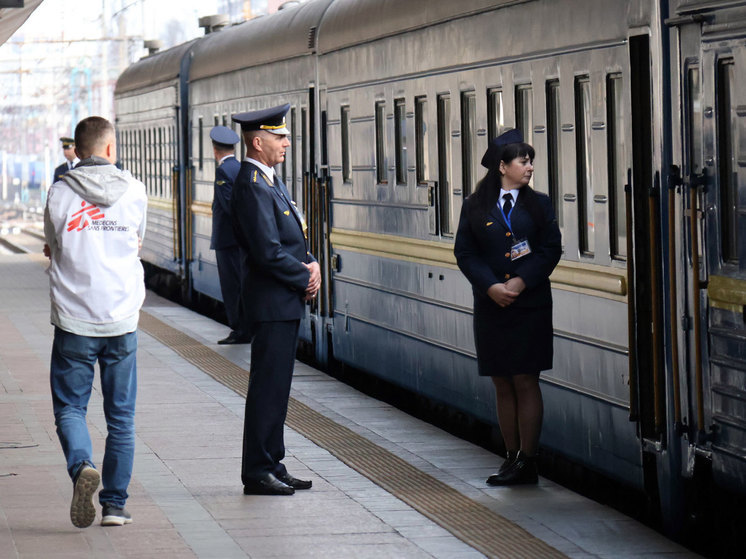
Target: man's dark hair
x=91 y=134
x=223 y=147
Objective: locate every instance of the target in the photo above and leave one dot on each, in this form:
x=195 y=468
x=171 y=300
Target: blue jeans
x=73 y=358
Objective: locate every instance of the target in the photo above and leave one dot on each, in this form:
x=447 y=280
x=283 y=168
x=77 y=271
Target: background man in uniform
x=94 y=224
x=223 y=240
x=282 y=276
x=68 y=150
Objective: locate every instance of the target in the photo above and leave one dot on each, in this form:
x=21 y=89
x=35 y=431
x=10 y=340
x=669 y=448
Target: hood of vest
x=97 y=181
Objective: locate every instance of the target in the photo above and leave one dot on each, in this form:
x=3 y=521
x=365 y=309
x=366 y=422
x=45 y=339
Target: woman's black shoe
x=522 y=472
x=510 y=457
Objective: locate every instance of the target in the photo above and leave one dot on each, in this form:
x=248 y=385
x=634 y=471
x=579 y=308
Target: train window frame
x=420 y=137
x=468 y=141
x=293 y=153
x=554 y=137
x=161 y=165
x=380 y=138
x=583 y=167
x=400 y=141
x=616 y=165
x=495 y=112
x=142 y=177
x=445 y=180
x=726 y=136
x=200 y=143
x=524 y=110
x=344 y=126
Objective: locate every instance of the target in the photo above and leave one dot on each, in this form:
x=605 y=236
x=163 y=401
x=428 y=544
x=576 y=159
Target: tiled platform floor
x=186 y=497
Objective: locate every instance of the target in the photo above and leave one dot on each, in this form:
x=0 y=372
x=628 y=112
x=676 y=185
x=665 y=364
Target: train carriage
x=635 y=110
x=148 y=101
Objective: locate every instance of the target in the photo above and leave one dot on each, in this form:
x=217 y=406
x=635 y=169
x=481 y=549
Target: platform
x=385 y=485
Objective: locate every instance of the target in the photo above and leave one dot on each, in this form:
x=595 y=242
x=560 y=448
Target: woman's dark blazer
x=484 y=240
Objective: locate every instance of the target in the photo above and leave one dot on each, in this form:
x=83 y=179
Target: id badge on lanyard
x=520 y=247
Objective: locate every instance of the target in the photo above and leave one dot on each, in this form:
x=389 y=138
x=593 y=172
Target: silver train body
x=637 y=111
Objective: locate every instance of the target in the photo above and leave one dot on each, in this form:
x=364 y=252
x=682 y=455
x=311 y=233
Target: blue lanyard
x=507 y=217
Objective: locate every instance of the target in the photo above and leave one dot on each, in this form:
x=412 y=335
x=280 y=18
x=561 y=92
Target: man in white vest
x=94 y=224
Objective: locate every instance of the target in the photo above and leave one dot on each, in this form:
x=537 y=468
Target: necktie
x=507 y=203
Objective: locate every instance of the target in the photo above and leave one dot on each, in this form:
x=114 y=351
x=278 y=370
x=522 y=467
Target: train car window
x=141 y=166
x=524 y=114
x=420 y=125
x=726 y=149
x=400 y=134
x=200 y=143
x=553 y=149
x=495 y=115
x=216 y=120
x=293 y=154
x=444 y=163
x=225 y=120
x=344 y=117
x=468 y=141
x=380 y=122
x=586 y=224
x=617 y=168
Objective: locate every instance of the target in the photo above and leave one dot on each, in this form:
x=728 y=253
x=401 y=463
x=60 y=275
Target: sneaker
x=82 y=511
x=114 y=516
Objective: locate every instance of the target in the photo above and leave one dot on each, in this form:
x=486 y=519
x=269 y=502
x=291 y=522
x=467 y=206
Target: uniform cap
x=271 y=120
x=223 y=135
x=491 y=158
x=67 y=142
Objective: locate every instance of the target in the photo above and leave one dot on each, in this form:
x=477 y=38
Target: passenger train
x=637 y=111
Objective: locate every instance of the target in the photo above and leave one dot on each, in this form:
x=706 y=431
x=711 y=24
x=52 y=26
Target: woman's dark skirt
x=512 y=340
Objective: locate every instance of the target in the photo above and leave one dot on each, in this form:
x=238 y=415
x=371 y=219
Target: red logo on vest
x=80 y=218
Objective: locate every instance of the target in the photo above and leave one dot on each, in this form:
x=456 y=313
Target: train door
x=713 y=167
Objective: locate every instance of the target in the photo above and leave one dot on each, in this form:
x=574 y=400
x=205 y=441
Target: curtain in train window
x=586 y=224
x=524 y=115
x=495 y=116
x=344 y=123
x=468 y=141
x=553 y=153
x=380 y=123
x=726 y=122
x=420 y=125
x=617 y=168
x=400 y=139
x=444 y=163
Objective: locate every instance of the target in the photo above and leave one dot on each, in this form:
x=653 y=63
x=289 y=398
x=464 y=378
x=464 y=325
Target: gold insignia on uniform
x=286 y=212
x=254 y=179
x=220 y=182
x=489 y=223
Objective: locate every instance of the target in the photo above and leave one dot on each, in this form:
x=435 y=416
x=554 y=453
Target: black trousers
x=272 y=359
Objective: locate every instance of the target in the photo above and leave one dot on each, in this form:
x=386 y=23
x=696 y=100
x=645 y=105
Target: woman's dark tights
x=520 y=410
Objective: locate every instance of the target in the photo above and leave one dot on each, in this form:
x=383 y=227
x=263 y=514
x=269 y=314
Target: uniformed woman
x=507 y=245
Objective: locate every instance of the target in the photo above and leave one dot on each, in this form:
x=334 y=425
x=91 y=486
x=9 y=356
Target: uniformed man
x=68 y=149
x=282 y=277
x=223 y=240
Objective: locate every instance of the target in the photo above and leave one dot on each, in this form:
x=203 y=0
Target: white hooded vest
x=93 y=224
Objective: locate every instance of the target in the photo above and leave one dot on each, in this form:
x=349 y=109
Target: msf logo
x=82 y=218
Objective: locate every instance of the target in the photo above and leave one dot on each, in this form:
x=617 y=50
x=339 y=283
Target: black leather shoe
x=235 y=338
x=522 y=472
x=294 y=482
x=267 y=485
x=510 y=457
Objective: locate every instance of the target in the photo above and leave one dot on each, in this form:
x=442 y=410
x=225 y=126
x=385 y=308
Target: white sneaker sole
x=82 y=511
x=115 y=521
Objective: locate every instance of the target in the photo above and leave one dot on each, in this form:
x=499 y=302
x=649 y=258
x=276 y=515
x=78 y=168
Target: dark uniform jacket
x=60 y=171
x=270 y=233
x=483 y=245
x=222 y=227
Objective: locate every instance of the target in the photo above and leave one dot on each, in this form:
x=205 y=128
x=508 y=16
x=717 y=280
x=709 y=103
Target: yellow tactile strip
x=472 y=522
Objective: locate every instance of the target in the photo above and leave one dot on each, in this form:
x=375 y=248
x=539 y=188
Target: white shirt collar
x=513 y=194
x=220 y=161
x=269 y=171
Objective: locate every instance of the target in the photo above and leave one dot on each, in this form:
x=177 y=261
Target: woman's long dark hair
x=487 y=191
